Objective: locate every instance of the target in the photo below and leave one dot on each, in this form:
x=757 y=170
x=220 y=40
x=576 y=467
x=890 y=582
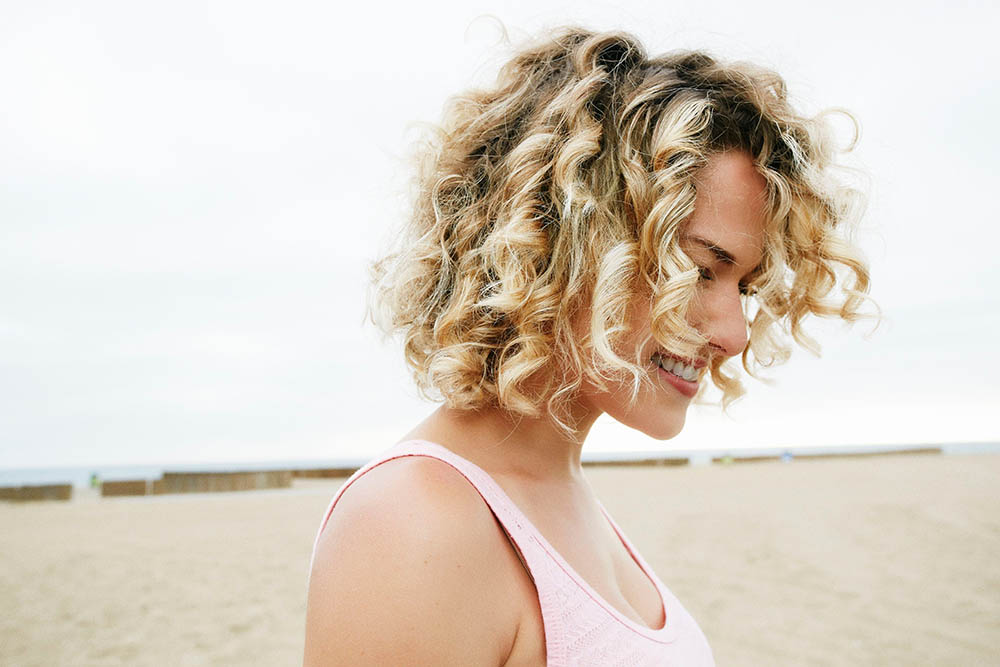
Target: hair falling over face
x=545 y=203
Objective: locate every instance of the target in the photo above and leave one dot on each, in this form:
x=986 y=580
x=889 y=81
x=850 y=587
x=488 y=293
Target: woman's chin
x=661 y=429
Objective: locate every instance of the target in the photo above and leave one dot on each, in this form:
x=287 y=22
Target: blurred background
x=190 y=193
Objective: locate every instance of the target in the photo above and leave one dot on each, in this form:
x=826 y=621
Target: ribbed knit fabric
x=581 y=628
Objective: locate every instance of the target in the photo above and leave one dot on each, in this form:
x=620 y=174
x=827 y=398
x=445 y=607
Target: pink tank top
x=581 y=628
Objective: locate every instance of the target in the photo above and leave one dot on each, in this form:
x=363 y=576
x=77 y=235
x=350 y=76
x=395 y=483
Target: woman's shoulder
x=399 y=490
x=411 y=558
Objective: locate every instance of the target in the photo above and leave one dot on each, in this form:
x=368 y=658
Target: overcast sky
x=190 y=193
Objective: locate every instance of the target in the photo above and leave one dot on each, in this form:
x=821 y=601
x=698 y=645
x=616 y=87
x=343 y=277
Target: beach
x=888 y=560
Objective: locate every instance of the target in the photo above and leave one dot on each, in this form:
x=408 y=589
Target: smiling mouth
x=685 y=370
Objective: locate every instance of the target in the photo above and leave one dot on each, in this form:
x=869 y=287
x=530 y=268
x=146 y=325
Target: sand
x=877 y=561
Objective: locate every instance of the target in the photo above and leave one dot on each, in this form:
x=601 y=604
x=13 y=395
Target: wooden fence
x=199 y=482
x=37 y=492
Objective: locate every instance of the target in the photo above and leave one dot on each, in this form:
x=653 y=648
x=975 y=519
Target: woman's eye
x=705 y=273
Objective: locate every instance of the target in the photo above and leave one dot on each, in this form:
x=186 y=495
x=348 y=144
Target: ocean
x=80 y=476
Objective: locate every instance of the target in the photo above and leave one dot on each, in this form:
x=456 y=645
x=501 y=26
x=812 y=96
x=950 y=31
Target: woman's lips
x=685 y=387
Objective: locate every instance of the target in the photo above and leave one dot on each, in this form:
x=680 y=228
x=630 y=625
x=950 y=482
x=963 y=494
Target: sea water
x=80 y=476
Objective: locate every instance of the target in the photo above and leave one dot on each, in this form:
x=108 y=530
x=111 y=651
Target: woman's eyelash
x=704 y=273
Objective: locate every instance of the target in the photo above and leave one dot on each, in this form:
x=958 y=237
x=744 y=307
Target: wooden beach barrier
x=125 y=487
x=650 y=461
x=745 y=459
x=792 y=455
x=209 y=482
x=198 y=482
x=37 y=492
x=325 y=473
x=886 y=452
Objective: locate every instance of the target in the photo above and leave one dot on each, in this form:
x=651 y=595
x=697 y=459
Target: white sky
x=190 y=192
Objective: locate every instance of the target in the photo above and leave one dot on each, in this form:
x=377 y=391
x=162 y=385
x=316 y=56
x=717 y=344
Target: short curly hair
x=558 y=194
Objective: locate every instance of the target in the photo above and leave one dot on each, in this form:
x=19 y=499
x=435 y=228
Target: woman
x=592 y=235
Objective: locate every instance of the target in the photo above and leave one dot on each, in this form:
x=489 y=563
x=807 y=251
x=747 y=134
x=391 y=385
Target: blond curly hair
x=557 y=195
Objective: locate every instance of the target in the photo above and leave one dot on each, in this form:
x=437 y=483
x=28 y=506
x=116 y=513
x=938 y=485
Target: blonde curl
x=555 y=196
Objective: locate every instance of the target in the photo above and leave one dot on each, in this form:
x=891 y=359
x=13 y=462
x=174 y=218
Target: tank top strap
x=510 y=516
x=517 y=527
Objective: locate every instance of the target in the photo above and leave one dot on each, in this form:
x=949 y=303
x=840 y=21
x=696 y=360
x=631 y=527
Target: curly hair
x=558 y=194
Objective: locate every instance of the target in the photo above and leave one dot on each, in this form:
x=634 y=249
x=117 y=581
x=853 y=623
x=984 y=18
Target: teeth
x=677 y=367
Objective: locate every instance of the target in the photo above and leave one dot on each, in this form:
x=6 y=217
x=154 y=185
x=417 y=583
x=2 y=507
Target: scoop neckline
x=662 y=633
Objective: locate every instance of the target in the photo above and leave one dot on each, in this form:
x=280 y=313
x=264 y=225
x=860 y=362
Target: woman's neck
x=505 y=444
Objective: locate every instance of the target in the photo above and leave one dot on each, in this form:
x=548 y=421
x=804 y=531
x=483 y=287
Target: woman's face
x=724 y=237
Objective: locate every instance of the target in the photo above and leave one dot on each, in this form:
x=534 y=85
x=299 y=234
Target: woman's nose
x=725 y=323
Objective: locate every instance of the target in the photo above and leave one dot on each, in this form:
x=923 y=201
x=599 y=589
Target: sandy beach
x=871 y=561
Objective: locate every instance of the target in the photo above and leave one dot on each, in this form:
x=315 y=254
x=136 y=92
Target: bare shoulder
x=411 y=568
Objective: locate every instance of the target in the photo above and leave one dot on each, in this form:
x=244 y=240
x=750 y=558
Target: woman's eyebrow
x=720 y=253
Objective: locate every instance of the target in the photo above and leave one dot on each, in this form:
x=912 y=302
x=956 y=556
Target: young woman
x=598 y=233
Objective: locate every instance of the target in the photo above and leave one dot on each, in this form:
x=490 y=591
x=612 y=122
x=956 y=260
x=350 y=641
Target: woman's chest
x=597 y=555
x=597 y=558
